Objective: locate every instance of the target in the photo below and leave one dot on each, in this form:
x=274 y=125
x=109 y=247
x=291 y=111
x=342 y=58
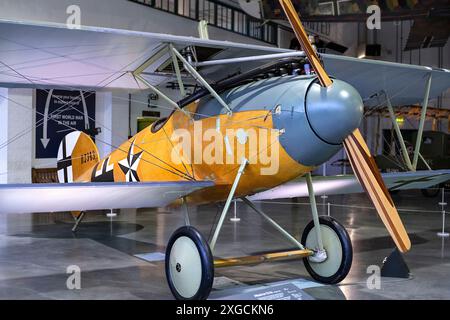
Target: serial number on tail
x=88 y=157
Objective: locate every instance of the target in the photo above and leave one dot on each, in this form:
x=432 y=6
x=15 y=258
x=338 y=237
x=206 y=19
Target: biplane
x=256 y=112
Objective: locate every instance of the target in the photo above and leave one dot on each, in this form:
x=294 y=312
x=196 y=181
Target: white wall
x=17 y=132
x=103 y=119
x=119 y=119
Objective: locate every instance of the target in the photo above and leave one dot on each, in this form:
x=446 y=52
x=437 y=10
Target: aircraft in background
x=300 y=119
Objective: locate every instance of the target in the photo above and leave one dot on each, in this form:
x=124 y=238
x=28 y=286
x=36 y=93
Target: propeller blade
x=302 y=37
x=367 y=172
x=361 y=160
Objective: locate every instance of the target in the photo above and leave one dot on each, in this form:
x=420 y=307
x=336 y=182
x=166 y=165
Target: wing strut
x=412 y=166
x=399 y=133
x=200 y=79
x=422 y=122
x=137 y=74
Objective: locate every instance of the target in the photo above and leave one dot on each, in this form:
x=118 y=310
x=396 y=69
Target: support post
x=423 y=115
x=78 y=221
x=200 y=79
x=315 y=214
x=273 y=223
x=399 y=134
x=443 y=234
x=111 y=214
x=187 y=221
x=227 y=203
x=235 y=217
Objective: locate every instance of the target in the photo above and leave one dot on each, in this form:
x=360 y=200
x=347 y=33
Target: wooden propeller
x=362 y=162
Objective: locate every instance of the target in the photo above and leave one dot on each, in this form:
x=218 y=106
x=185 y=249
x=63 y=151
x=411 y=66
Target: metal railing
x=218 y=15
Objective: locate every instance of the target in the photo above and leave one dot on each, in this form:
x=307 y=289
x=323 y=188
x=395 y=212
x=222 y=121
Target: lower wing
x=26 y=198
x=346 y=184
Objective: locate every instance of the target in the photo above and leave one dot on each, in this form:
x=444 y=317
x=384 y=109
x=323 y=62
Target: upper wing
x=349 y=184
x=404 y=83
x=26 y=198
x=51 y=55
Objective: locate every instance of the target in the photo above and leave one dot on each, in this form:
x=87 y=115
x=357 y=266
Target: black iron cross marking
x=65 y=162
x=130 y=164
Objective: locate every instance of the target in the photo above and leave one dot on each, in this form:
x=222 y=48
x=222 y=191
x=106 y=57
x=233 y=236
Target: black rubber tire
x=430 y=192
x=347 y=251
x=206 y=259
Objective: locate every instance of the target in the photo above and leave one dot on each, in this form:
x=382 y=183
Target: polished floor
x=35 y=251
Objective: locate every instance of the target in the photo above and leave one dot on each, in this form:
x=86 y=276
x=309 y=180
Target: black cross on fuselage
x=65 y=162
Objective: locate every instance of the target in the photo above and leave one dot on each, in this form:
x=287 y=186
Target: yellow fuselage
x=162 y=160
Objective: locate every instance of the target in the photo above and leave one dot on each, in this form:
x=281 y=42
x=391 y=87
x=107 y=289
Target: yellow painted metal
x=256 y=259
x=159 y=151
x=84 y=157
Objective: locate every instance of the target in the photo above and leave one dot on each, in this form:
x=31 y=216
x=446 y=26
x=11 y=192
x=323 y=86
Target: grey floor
x=35 y=251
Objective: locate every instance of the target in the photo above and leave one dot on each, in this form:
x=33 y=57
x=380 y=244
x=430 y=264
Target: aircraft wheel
x=431 y=192
x=189 y=265
x=338 y=247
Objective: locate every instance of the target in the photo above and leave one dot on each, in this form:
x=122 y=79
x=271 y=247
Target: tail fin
x=77 y=154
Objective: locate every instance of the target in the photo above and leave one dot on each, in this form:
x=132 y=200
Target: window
x=206 y=11
x=166 y=5
x=219 y=15
x=187 y=8
x=224 y=17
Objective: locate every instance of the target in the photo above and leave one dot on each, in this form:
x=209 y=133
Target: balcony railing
x=219 y=15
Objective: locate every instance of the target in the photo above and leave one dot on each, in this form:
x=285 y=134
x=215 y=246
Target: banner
x=59 y=112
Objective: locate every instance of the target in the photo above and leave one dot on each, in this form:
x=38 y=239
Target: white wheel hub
x=185 y=267
x=333 y=248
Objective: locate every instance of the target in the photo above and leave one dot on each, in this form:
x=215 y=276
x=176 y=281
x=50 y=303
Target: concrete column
x=3 y=135
x=16 y=132
x=120 y=118
x=111 y=116
x=103 y=121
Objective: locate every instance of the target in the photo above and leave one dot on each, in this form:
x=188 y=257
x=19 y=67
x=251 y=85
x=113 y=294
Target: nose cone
x=333 y=112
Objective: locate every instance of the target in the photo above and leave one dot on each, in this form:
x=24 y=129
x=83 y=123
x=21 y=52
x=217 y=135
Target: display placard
x=59 y=112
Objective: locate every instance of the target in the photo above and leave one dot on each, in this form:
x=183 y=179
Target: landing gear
x=335 y=265
x=431 y=192
x=325 y=248
x=78 y=217
x=189 y=265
